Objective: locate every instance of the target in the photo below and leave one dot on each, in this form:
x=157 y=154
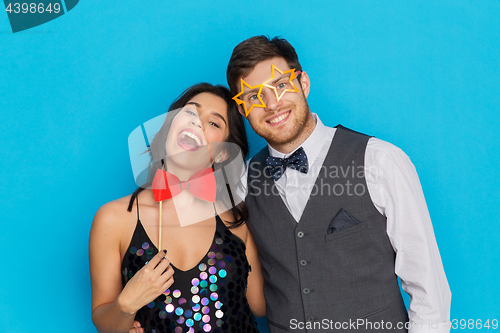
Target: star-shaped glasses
x=251 y=96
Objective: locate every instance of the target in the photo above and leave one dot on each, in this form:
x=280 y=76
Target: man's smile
x=279 y=118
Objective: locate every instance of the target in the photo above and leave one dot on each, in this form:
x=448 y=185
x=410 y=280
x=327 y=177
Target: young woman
x=205 y=275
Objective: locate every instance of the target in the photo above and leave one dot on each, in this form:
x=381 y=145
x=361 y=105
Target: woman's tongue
x=189 y=142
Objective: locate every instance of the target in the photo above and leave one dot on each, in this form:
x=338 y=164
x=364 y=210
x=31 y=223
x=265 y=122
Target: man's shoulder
x=349 y=130
x=375 y=144
x=380 y=146
x=386 y=156
x=377 y=150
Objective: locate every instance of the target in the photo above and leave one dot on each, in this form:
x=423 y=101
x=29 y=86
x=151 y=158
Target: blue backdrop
x=424 y=75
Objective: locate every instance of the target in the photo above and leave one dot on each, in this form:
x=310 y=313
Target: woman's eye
x=253 y=97
x=214 y=124
x=191 y=113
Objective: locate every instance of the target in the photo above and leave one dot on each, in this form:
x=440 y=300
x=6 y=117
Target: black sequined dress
x=210 y=297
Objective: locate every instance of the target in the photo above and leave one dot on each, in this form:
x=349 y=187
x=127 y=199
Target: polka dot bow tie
x=297 y=161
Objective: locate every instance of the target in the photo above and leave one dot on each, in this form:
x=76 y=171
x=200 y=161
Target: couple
x=336 y=217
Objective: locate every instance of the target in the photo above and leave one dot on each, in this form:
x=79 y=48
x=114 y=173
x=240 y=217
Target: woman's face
x=195 y=130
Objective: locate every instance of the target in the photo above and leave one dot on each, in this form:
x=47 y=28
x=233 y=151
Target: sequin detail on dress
x=210 y=297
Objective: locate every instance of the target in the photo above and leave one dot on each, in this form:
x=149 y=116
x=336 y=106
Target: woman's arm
x=255 y=288
x=114 y=309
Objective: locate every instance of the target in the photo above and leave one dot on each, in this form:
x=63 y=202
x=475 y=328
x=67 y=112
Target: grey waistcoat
x=315 y=279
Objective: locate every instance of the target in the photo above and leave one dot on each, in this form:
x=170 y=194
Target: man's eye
x=253 y=97
x=281 y=85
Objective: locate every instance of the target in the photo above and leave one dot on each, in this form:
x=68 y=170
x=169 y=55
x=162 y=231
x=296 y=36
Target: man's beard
x=278 y=138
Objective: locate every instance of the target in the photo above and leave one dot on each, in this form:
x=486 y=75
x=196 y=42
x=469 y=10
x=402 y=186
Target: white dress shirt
x=395 y=190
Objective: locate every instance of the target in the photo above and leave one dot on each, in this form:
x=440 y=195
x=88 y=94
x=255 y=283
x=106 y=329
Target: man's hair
x=247 y=54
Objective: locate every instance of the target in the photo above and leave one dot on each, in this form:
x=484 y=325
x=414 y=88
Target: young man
x=337 y=215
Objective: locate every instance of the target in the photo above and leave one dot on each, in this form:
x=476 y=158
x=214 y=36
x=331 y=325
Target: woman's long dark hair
x=237 y=135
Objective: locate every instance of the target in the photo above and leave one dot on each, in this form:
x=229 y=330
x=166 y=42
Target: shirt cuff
x=429 y=328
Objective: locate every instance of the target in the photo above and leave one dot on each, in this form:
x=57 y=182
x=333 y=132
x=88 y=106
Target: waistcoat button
x=303 y=262
x=306 y=291
x=300 y=234
x=310 y=319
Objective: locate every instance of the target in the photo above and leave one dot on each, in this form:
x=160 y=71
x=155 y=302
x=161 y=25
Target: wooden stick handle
x=159 y=229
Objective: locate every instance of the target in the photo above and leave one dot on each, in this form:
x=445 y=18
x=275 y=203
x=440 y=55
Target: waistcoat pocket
x=373 y=313
x=346 y=232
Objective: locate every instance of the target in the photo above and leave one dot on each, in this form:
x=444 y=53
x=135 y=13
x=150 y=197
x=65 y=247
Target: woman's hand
x=136 y=328
x=147 y=284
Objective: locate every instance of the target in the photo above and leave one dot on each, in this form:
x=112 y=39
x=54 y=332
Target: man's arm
x=395 y=190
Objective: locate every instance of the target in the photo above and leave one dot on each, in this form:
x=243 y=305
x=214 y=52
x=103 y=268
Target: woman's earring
x=217 y=160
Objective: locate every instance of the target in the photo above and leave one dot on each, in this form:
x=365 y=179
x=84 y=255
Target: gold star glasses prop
x=251 y=96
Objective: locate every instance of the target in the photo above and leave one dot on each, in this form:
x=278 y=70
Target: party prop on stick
x=160 y=209
x=201 y=185
x=179 y=164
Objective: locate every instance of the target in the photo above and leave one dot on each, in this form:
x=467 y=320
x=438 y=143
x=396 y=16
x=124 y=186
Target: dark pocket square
x=343 y=220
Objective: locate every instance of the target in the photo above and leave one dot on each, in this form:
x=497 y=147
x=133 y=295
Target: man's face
x=279 y=122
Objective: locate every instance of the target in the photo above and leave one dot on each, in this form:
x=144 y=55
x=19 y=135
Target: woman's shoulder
x=112 y=227
x=114 y=214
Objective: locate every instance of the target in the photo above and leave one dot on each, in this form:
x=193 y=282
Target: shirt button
x=303 y=262
x=310 y=319
x=300 y=234
x=306 y=291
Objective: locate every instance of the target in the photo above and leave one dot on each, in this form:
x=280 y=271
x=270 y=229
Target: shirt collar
x=312 y=145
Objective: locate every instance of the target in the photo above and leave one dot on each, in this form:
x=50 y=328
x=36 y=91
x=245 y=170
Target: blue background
x=424 y=75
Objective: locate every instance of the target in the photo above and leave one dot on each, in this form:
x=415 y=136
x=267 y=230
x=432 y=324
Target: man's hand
x=136 y=328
